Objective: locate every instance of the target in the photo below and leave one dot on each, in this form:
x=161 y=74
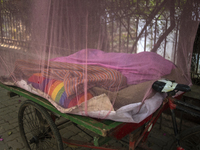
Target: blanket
x=72 y=75
x=55 y=89
x=137 y=68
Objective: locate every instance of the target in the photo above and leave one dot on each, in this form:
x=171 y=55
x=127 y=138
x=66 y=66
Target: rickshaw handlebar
x=167 y=86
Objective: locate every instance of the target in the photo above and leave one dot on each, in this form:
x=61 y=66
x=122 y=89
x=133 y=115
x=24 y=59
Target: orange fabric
x=82 y=98
x=79 y=99
x=36 y=78
x=48 y=86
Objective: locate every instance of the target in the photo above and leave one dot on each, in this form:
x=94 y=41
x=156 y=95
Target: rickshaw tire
x=189 y=140
x=49 y=120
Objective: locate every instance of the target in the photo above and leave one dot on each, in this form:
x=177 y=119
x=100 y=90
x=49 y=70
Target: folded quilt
x=137 y=68
x=72 y=75
x=55 y=89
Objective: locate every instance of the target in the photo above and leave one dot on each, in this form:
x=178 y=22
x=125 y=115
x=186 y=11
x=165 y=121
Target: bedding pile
x=44 y=49
x=105 y=86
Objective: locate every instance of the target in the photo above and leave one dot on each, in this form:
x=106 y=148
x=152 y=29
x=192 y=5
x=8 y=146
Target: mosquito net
x=97 y=58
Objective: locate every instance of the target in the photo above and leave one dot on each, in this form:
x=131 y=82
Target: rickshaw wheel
x=189 y=140
x=37 y=129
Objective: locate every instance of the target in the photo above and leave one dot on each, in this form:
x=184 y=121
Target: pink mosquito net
x=97 y=58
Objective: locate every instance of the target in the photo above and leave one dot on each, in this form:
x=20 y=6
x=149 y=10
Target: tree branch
x=151 y=17
x=172 y=25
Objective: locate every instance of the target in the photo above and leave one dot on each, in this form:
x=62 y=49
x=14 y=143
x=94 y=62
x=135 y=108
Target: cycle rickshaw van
x=110 y=66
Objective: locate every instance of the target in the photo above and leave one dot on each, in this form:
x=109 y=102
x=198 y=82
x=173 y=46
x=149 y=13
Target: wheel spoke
x=38 y=129
x=189 y=139
x=29 y=122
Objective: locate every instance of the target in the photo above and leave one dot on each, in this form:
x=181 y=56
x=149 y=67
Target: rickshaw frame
x=107 y=129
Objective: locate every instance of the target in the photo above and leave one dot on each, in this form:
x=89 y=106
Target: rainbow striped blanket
x=55 y=89
x=65 y=82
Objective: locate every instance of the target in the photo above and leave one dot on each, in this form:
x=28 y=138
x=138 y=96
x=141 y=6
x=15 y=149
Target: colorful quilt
x=73 y=76
x=55 y=89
